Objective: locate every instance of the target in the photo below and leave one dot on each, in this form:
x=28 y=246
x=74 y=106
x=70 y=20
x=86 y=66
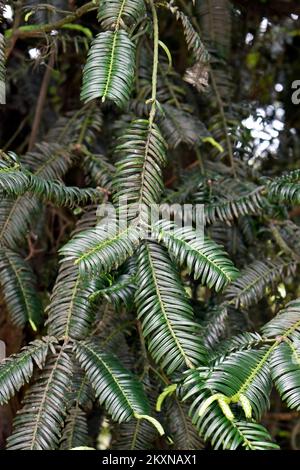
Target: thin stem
x=146 y=365
x=200 y=161
x=16 y=133
x=84 y=129
x=224 y=121
x=162 y=377
x=166 y=81
x=155 y=62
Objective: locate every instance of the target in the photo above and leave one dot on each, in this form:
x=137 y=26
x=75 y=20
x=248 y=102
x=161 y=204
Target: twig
x=32 y=249
x=36 y=30
x=224 y=121
x=155 y=64
x=15 y=134
x=41 y=101
x=189 y=167
x=282 y=243
x=282 y=416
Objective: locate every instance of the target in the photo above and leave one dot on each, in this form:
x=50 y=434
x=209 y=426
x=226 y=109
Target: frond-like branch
x=18 y=284
x=17 y=369
x=193 y=40
x=142 y=153
x=214 y=326
x=122 y=288
x=286 y=324
x=79 y=126
x=286 y=188
x=213 y=425
x=115 y=387
x=48 y=161
x=103 y=248
x=215 y=23
x=15 y=182
x=110 y=67
x=240 y=342
x=202 y=256
x=38 y=425
x=244 y=374
x=251 y=286
x=165 y=313
x=181 y=127
x=198 y=74
x=285 y=368
x=82 y=394
x=135 y=435
x=62 y=195
x=75 y=433
x=225 y=434
x=70 y=312
x=182 y=431
x=233 y=208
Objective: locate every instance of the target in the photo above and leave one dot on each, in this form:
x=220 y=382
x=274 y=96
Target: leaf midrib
x=113 y=50
x=43 y=400
x=186 y=359
x=112 y=375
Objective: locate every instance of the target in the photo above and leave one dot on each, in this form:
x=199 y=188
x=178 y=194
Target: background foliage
x=174 y=342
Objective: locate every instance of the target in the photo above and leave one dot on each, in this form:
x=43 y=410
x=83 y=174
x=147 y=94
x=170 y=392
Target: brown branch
x=37 y=30
x=272 y=7
x=282 y=416
x=16 y=24
x=295 y=212
x=41 y=101
x=224 y=120
x=282 y=243
x=15 y=134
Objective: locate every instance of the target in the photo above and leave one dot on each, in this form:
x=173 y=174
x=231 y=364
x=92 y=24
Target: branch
x=15 y=27
x=282 y=243
x=29 y=31
x=41 y=101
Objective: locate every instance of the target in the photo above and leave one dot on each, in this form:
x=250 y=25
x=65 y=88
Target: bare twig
x=282 y=416
x=41 y=101
x=282 y=243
